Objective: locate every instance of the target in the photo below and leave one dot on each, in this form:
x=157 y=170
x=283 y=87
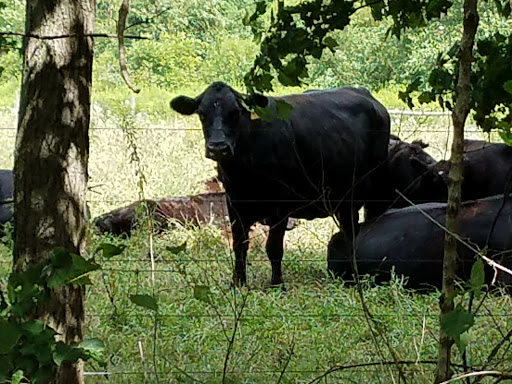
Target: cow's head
x=223 y=113
x=414 y=171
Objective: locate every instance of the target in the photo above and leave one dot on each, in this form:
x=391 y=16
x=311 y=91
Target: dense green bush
x=172 y=61
x=193 y=43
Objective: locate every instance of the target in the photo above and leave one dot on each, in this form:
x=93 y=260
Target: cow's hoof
x=238 y=283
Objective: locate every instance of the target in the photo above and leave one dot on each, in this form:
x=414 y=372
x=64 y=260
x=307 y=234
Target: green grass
x=318 y=318
x=315 y=325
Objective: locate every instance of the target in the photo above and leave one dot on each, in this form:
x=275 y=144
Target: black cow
x=486 y=168
x=410 y=170
x=406 y=240
x=6 y=196
x=304 y=166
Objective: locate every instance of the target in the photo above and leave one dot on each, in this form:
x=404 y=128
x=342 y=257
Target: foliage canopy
x=298 y=32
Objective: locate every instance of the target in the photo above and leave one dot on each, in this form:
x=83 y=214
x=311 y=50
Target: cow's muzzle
x=218 y=151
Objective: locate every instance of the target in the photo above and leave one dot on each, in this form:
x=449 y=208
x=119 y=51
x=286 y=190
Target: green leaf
x=456 y=322
x=265 y=114
x=66 y=353
x=110 y=250
x=144 y=301
x=68 y=267
x=283 y=109
x=9 y=336
x=508 y=86
x=330 y=42
x=426 y=97
x=177 y=249
x=476 y=280
x=93 y=344
x=43 y=373
x=506 y=136
x=35 y=327
x=202 y=293
x=462 y=341
x=17 y=377
x=286 y=80
x=93 y=349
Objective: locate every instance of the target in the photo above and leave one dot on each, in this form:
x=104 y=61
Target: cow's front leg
x=240 y=233
x=275 y=250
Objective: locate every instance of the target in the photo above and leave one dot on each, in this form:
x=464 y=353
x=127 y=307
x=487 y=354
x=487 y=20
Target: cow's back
x=330 y=139
x=485 y=170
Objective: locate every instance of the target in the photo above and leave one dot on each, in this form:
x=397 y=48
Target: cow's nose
x=218 y=147
x=217 y=150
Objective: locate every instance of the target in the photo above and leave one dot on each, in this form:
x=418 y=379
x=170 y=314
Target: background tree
x=51 y=154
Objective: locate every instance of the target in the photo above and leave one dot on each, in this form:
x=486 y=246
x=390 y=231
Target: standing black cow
x=316 y=163
x=408 y=241
x=410 y=170
x=486 y=168
x=6 y=196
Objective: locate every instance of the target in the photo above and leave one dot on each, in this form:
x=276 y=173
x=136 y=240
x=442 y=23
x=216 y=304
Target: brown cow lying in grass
x=202 y=209
x=206 y=208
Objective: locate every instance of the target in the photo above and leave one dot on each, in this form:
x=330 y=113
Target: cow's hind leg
x=240 y=233
x=275 y=250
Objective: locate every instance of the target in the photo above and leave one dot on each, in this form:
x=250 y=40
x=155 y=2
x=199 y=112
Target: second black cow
x=411 y=171
x=317 y=162
x=411 y=241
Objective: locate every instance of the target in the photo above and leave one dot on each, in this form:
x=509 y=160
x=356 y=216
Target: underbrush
x=206 y=331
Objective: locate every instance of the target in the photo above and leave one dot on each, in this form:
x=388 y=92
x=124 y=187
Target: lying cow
x=410 y=170
x=316 y=162
x=6 y=196
x=201 y=209
x=197 y=210
x=410 y=243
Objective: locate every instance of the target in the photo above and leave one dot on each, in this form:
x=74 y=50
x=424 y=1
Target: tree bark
x=51 y=155
x=460 y=113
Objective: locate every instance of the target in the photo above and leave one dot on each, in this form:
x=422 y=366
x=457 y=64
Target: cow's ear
x=420 y=143
x=257 y=100
x=184 y=105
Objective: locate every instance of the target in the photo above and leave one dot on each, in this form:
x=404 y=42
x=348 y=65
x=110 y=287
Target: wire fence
x=207 y=331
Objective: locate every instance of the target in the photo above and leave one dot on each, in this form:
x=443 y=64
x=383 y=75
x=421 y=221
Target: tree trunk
x=460 y=113
x=52 y=149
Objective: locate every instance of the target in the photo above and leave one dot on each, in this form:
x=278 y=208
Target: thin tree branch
x=231 y=344
x=121 y=24
x=499 y=374
x=148 y=20
x=494 y=352
x=372 y=364
x=291 y=352
x=460 y=112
